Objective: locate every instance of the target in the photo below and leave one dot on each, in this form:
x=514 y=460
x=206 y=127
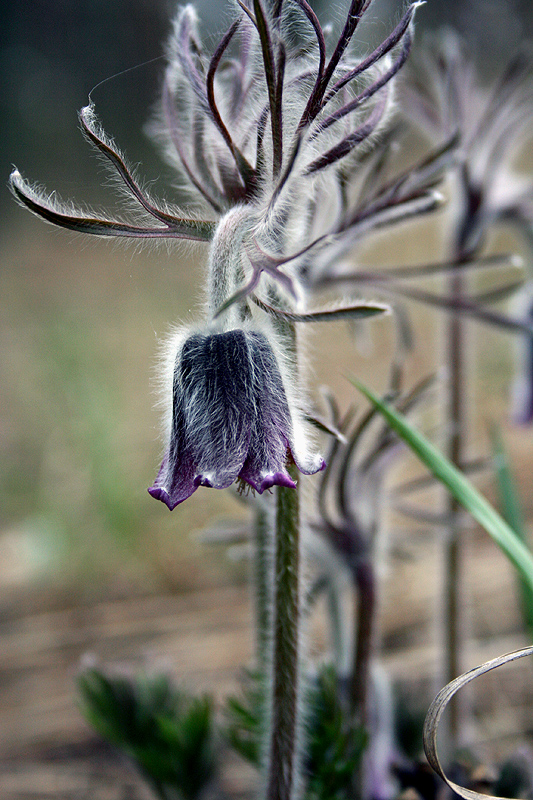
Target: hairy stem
x=225 y=268
x=284 y=734
x=263 y=589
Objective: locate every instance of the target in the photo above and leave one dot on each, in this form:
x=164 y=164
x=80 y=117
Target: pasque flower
x=264 y=132
x=230 y=418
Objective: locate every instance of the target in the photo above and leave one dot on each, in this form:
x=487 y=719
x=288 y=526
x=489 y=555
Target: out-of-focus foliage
x=512 y=512
x=244 y=720
x=334 y=743
x=167 y=733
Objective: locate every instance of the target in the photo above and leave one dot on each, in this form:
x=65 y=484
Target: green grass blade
x=512 y=512
x=509 y=501
x=459 y=486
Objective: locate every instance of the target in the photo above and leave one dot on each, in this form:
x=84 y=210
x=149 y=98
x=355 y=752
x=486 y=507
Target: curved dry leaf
x=437 y=707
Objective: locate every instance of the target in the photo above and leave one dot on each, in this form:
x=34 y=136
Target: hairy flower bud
x=230 y=418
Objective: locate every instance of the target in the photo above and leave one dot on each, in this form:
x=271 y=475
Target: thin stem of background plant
x=455 y=427
x=492 y=122
x=466 y=246
x=366 y=617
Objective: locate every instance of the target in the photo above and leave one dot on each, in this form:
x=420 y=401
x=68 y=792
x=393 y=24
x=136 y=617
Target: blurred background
x=85 y=553
x=81 y=318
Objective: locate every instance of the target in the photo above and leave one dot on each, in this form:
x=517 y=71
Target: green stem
x=262 y=585
x=284 y=733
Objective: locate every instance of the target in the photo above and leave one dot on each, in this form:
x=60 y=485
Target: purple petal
x=263 y=482
x=172 y=488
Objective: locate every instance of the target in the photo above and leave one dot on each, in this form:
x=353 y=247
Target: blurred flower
x=352 y=490
x=446 y=95
x=493 y=123
x=230 y=419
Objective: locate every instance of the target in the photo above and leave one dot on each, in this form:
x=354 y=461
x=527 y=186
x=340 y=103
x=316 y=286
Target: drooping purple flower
x=230 y=419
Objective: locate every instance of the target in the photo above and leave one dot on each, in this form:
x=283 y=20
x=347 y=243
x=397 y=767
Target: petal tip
x=275 y=479
x=310 y=467
x=158 y=493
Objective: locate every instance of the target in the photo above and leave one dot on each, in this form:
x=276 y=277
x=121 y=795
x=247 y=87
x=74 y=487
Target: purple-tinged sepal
x=231 y=418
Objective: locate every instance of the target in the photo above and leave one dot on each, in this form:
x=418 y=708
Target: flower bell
x=230 y=418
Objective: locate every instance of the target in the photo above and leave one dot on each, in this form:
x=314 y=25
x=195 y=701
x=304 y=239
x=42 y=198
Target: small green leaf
x=245 y=719
x=513 y=514
x=458 y=485
x=336 y=742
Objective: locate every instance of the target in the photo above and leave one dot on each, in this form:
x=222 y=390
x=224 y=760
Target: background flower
x=446 y=95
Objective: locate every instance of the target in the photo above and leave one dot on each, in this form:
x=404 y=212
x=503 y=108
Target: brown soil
x=204 y=639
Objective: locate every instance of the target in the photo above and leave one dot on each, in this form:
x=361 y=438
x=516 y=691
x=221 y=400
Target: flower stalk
x=491 y=125
x=285 y=718
x=262 y=570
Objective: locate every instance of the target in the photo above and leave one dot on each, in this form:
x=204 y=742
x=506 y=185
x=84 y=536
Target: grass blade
x=459 y=486
x=512 y=512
